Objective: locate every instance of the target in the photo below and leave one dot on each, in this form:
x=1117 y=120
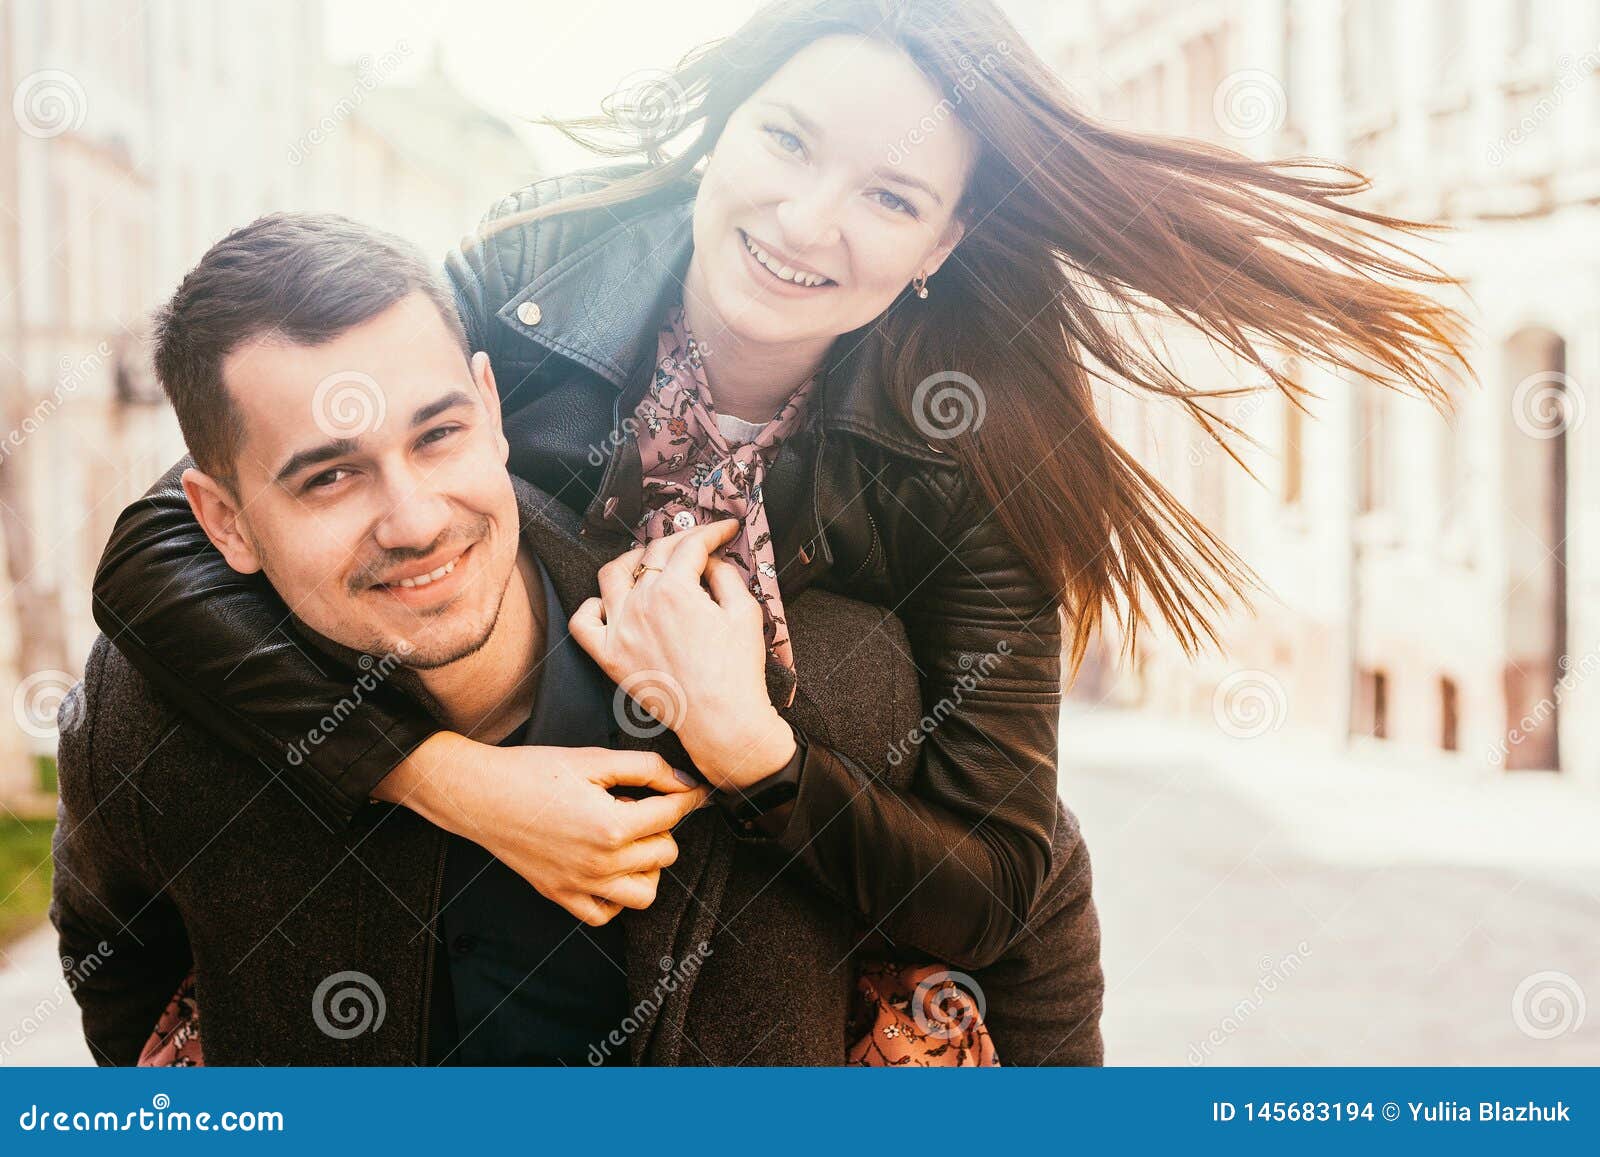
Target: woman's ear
x=953 y=233
x=219 y=514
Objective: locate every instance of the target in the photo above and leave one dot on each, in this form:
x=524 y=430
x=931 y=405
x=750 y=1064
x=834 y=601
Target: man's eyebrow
x=298 y=461
x=433 y=409
x=342 y=447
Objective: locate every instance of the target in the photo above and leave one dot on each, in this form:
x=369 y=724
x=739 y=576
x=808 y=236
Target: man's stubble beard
x=419 y=658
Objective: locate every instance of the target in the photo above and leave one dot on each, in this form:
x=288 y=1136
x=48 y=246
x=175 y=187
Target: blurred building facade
x=135 y=136
x=1433 y=581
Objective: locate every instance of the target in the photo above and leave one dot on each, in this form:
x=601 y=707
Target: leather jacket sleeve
x=218 y=643
x=952 y=868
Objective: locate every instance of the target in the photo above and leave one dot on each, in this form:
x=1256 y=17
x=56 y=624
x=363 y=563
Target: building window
x=1372 y=706
x=1372 y=428
x=1449 y=714
x=1294 y=425
x=1452 y=469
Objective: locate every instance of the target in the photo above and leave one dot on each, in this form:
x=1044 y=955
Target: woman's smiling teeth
x=778 y=269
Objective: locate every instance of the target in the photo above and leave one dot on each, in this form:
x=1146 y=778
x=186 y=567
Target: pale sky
x=538 y=57
x=535 y=57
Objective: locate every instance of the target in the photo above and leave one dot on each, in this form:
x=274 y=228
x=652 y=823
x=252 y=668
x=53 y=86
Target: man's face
x=371 y=485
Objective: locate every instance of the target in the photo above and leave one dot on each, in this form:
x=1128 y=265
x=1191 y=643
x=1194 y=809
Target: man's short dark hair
x=305 y=278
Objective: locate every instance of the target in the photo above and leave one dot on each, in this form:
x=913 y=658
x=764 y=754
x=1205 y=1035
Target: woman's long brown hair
x=1077 y=236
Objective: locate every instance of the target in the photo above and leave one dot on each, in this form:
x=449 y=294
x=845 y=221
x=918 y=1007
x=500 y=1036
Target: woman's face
x=832 y=187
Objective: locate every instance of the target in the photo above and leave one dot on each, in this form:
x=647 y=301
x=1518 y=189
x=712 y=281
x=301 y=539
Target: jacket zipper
x=872 y=550
x=820 y=537
x=432 y=953
x=611 y=463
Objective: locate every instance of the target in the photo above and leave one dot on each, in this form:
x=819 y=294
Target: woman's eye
x=893 y=203
x=787 y=141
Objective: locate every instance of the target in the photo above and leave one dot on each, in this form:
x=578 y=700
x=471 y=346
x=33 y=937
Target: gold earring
x=919 y=283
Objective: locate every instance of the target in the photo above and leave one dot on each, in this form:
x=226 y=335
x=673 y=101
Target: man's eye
x=437 y=435
x=326 y=479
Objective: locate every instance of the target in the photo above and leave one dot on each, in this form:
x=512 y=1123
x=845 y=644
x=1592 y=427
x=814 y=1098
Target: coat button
x=529 y=313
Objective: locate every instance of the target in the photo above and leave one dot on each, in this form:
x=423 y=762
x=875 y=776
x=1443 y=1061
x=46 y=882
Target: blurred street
x=1265 y=904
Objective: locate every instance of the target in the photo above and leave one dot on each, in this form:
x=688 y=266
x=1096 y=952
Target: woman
x=855 y=298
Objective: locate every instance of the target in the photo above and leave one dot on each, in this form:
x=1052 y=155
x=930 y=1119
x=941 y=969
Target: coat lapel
x=662 y=940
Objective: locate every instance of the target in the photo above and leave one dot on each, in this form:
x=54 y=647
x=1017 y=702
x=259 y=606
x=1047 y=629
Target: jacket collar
x=601 y=304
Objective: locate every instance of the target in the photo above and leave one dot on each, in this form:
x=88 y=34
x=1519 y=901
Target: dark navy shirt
x=518 y=980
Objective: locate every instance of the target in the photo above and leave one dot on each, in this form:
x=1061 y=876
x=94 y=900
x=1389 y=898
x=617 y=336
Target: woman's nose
x=808 y=222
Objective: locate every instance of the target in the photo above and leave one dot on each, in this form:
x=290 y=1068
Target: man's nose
x=415 y=520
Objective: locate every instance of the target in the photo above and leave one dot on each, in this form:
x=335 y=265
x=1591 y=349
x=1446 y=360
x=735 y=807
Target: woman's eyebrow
x=891 y=176
x=895 y=177
x=800 y=118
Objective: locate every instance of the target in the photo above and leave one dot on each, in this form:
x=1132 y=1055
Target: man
x=350 y=451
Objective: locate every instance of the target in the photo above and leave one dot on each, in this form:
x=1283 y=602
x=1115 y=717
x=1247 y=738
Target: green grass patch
x=24 y=874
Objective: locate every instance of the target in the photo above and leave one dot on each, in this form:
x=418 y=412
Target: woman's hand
x=695 y=659
x=548 y=814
